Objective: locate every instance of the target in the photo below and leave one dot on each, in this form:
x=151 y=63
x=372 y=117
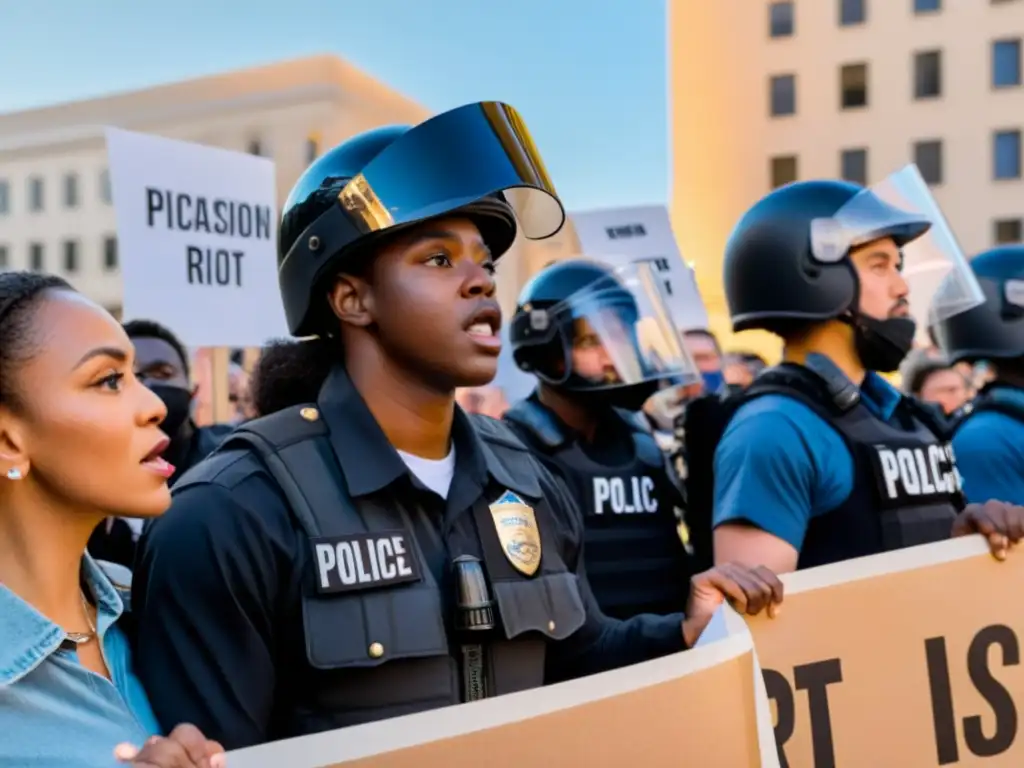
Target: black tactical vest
x=634 y=557
x=906 y=488
x=385 y=652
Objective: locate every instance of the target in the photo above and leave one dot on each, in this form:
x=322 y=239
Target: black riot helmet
x=477 y=161
x=602 y=334
x=786 y=260
x=993 y=330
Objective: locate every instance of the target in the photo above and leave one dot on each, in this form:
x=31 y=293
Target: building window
x=105 y=191
x=928 y=158
x=1008 y=231
x=853 y=86
x=35 y=193
x=927 y=6
x=110 y=253
x=783 y=95
x=312 y=149
x=1005 y=63
x=854 y=166
x=71 y=190
x=5 y=257
x=35 y=257
x=70 y=255
x=927 y=74
x=5 y=197
x=1006 y=155
x=852 y=12
x=780 y=19
x=255 y=147
x=783 y=170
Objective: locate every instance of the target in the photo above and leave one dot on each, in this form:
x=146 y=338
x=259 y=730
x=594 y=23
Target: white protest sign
x=620 y=236
x=197 y=236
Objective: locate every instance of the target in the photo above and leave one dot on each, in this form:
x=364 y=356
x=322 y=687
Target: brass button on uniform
x=376 y=650
x=309 y=414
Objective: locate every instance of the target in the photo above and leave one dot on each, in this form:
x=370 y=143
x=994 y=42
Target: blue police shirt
x=989 y=450
x=55 y=712
x=779 y=464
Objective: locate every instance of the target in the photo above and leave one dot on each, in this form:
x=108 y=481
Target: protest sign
x=619 y=236
x=699 y=707
x=910 y=658
x=197 y=236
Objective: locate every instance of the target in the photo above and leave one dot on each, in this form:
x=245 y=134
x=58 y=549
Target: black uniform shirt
x=217 y=586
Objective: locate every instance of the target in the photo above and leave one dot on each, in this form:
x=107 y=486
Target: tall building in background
x=55 y=204
x=767 y=92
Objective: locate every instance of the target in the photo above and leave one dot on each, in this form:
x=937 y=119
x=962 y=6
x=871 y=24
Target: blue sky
x=589 y=77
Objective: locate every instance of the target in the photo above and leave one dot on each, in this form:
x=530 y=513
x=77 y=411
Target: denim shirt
x=55 y=712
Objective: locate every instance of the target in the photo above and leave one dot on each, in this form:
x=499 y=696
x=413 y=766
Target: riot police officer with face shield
x=821 y=460
x=376 y=551
x=989 y=436
x=599 y=343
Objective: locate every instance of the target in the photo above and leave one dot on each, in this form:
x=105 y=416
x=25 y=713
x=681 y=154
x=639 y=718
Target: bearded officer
x=592 y=337
x=377 y=552
x=989 y=438
x=821 y=459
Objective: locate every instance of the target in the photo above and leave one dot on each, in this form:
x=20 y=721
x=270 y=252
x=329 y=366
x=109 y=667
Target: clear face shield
x=620 y=333
x=901 y=209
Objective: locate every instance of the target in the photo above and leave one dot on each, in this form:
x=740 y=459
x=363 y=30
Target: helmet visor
x=620 y=331
x=901 y=207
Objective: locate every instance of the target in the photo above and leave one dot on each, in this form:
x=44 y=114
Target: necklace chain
x=79 y=638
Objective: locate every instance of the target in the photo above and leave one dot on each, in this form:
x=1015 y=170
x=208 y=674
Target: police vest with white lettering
x=373 y=612
x=634 y=558
x=906 y=488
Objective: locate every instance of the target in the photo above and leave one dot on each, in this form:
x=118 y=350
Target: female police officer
x=377 y=553
x=823 y=460
x=989 y=439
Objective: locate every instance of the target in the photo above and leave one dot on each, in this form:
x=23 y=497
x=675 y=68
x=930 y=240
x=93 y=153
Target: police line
x=885 y=660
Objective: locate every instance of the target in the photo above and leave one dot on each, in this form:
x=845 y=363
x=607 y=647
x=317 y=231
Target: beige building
x=765 y=92
x=55 y=211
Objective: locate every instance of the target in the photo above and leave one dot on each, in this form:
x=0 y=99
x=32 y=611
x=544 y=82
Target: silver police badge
x=516 y=526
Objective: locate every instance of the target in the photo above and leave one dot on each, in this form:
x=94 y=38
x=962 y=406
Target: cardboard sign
x=197 y=234
x=619 y=236
x=695 y=708
x=911 y=658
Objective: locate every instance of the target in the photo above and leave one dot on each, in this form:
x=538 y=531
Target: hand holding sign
x=749 y=590
x=1001 y=523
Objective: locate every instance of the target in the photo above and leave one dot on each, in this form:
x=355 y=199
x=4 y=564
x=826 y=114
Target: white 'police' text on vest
x=624 y=496
x=362 y=561
x=920 y=471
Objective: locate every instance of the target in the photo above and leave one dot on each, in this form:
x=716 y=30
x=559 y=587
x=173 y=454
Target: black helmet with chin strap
x=787 y=262
x=477 y=161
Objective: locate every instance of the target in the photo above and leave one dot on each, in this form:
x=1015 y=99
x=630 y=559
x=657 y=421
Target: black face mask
x=882 y=344
x=179 y=407
x=629 y=398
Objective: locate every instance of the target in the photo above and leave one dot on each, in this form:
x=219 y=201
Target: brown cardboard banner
x=697 y=708
x=911 y=659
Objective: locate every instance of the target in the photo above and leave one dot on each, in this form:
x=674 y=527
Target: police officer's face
x=429 y=303
x=590 y=359
x=883 y=290
x=88 y=430
x=946 y=388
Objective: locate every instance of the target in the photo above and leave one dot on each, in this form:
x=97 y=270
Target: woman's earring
x=14 y=474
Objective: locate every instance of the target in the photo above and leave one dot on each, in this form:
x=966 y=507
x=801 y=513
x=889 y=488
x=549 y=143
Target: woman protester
x=80 y=440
